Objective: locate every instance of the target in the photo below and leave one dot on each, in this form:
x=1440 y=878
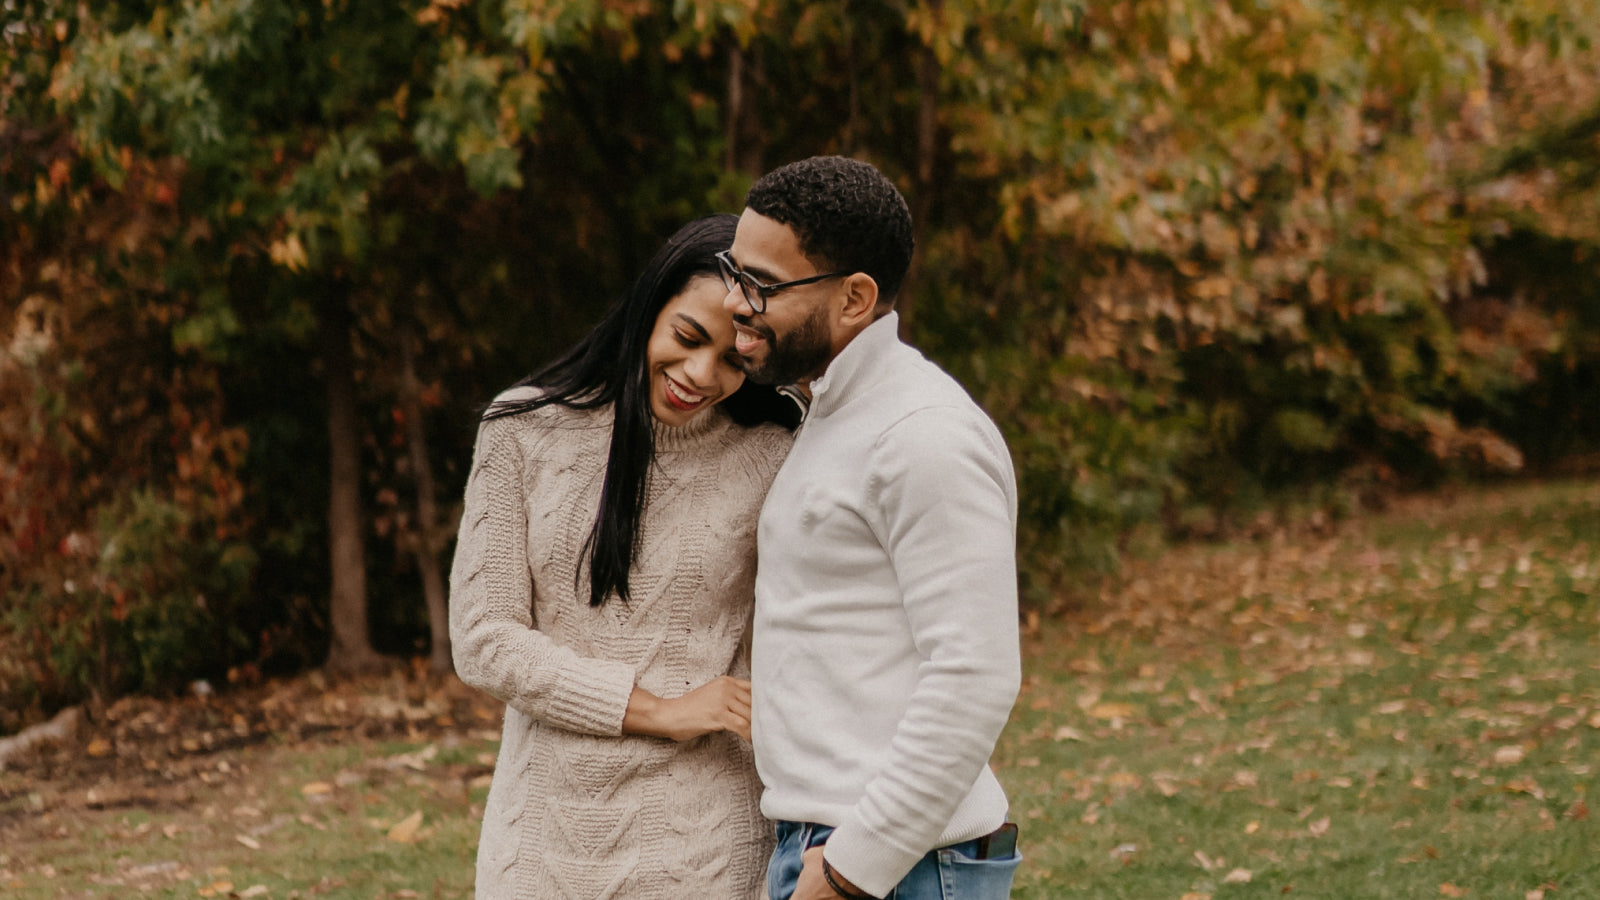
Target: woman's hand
x=722 y=704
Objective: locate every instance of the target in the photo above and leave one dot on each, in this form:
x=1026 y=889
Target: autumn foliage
x=260 y=260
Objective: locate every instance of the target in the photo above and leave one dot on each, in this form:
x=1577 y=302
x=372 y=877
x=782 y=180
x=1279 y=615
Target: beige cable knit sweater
x=576 y=809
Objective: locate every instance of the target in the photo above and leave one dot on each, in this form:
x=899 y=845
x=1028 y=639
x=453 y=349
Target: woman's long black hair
x=610 y=366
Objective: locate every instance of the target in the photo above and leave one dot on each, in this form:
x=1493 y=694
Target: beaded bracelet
x=841 y=890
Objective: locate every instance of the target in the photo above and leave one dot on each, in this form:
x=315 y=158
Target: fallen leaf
x=1068 y=733
x=1535 y=894
x=1195 y=895
x=1449 y=890
x=1112 y=710
x=99 y=747
x=1237 y=876
x=1252 y=828
x=254 y=890
x=405 y=831
x=315 y=788
x=1510 y=754
x=1320 y=826
x=248 y=841
x=1525 y=786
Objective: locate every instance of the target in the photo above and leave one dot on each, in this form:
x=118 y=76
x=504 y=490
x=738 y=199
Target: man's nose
x=735 y=302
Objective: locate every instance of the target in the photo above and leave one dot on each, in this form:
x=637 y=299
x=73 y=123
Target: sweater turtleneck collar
x=670 y=438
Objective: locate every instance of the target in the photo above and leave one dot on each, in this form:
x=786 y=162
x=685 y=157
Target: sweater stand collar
x=851 y=371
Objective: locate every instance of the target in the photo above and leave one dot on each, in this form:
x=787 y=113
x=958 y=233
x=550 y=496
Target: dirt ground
x=184 y=755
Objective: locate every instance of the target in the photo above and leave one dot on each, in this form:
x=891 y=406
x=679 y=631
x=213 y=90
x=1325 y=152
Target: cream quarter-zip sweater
x=885 y=658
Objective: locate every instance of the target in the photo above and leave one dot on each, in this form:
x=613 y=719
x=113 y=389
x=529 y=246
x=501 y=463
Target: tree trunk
x=744 y=137
x=428 y=544
x=735 y=108
x=351 y=648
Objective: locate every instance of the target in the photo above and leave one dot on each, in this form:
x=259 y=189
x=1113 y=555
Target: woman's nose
x=699 y=369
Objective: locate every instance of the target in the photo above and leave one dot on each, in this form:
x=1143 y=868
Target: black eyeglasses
x=755 y=293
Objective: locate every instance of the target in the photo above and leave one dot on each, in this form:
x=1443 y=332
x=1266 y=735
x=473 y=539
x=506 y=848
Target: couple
x=606 y=584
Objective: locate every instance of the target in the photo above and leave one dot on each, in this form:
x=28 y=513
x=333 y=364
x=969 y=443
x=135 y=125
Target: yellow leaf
x=315 y=788
x=1195 y=895
x=405 y=831
x=1112 y=711
x=1237 y=876
x=1449 y=890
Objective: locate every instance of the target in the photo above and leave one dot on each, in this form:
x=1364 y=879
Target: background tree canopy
x=260 y=262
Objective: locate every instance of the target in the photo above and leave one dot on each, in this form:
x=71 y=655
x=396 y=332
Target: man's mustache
x=751 y=324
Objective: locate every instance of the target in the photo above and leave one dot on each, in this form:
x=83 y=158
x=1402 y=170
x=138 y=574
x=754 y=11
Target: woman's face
x=691 y=359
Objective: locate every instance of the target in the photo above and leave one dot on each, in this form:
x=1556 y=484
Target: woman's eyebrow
x=704 y=334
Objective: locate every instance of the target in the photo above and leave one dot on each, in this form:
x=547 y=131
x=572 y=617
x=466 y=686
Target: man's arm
x=945 y=512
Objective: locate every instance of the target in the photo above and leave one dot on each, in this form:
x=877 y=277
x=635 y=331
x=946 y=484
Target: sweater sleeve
x=497 y=648
x=942 y=486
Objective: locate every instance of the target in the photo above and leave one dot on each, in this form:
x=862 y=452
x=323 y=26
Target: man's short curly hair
x=847 y=215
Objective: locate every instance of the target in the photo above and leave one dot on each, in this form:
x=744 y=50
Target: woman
x=603 y=587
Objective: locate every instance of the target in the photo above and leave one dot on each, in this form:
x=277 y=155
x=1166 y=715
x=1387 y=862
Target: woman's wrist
x=643 y=715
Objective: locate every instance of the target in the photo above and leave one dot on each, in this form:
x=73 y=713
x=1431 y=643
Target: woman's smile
x=680 y=396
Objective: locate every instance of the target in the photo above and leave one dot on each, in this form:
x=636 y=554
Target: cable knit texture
x=577 y=809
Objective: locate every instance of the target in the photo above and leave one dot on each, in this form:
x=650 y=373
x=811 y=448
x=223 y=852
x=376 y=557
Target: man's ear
x=860 y=301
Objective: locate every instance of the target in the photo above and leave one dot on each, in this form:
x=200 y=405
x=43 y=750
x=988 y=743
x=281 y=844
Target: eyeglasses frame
x=732 y=274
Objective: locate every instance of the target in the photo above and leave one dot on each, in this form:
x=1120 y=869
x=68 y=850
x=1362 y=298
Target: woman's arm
x=496 y=647
x=719 y=705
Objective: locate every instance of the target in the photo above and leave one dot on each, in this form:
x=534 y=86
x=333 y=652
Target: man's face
x=792 y=341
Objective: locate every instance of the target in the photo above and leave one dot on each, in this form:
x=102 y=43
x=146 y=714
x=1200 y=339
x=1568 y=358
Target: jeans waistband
x=810 y=834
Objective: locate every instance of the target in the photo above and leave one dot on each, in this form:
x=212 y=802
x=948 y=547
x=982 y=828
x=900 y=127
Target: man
x=885 y=658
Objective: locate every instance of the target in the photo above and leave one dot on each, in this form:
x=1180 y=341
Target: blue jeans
x=946 y=873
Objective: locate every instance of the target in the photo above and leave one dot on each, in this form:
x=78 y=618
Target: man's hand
x=812 y=884
x=722 y=704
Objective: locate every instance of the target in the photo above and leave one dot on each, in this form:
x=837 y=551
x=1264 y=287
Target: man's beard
x=802 y=353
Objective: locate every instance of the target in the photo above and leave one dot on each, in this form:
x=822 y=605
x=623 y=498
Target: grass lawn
x=1407 y=707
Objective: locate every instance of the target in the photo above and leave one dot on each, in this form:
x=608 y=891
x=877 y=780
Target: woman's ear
x=860 y=301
